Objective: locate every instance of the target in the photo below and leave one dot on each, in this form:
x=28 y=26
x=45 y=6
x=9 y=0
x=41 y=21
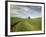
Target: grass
x=20 y=24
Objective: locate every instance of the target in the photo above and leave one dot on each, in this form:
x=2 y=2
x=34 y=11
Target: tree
x=28 y=17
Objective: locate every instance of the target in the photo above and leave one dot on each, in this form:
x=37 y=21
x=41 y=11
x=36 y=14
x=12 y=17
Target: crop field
x=20 y=24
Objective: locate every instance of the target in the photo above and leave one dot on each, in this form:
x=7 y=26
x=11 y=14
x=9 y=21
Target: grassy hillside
x=19 y=24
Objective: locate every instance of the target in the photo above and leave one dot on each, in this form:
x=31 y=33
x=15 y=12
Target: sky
x=24 y=11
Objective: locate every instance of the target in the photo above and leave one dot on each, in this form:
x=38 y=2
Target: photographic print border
x=6 y=18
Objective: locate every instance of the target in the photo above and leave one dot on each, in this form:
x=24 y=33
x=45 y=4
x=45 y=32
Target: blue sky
x=24 y=11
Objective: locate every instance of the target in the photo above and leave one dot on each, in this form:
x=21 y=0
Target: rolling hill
x=20 y=24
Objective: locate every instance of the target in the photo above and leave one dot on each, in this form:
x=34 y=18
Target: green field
x=20 y=24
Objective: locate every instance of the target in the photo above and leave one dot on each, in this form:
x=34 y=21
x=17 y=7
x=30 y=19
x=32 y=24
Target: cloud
x=24 y=11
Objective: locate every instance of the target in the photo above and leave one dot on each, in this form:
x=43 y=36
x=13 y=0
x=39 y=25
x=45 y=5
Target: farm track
x=23 y=23
x=15 y=24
